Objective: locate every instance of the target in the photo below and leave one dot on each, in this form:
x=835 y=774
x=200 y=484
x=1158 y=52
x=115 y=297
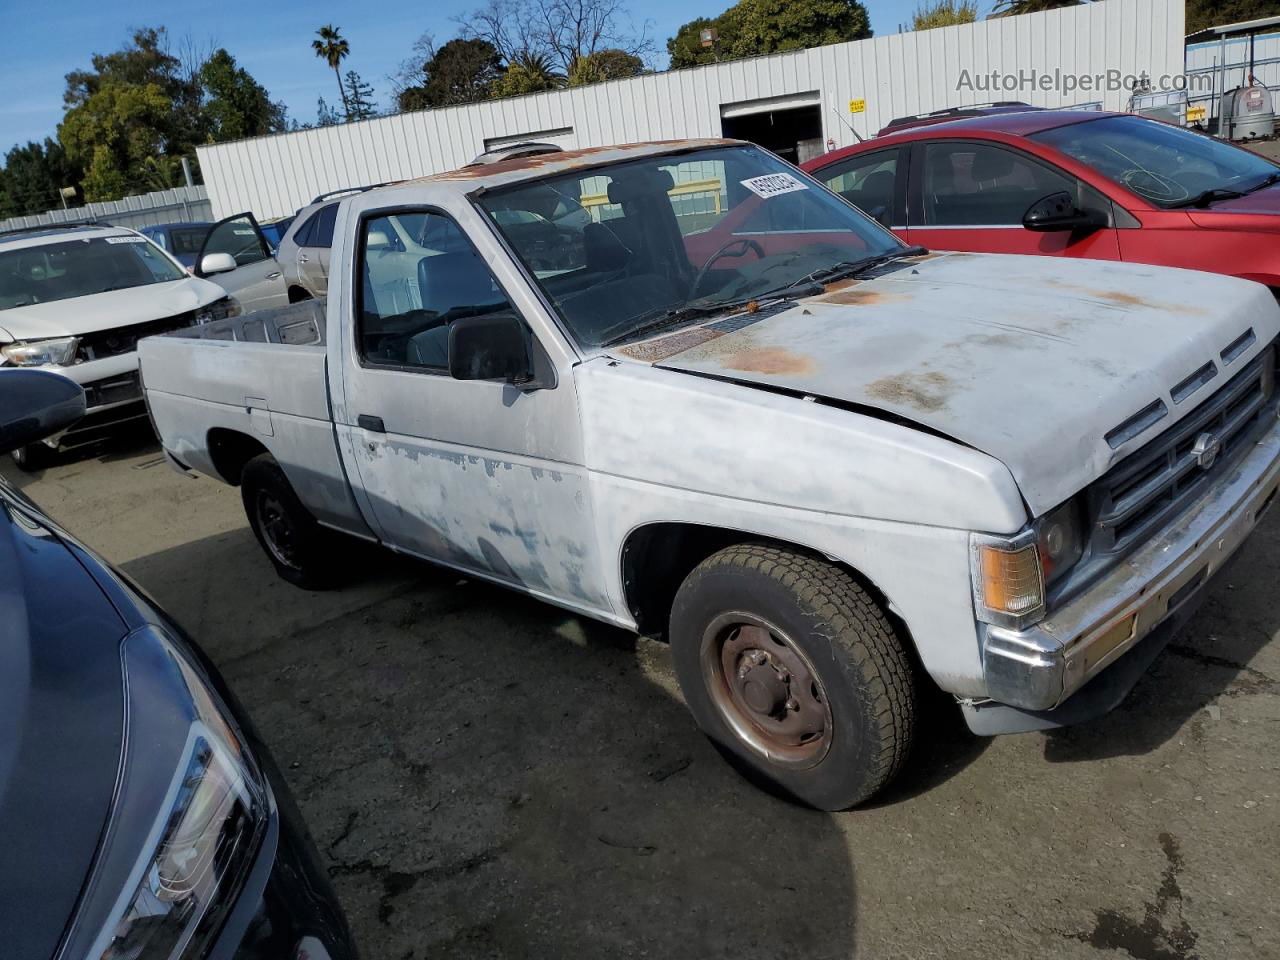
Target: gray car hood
x=1033 y=360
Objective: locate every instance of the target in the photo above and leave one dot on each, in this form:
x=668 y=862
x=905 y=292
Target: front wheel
x=298 y=547
x=791 y=667
x=33 y=456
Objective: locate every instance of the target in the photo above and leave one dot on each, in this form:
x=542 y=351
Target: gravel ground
x=487 y=776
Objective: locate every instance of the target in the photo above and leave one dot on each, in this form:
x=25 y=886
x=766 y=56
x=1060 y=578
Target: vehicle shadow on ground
x=1207 y=663
x=488 y=776
x=124 y=445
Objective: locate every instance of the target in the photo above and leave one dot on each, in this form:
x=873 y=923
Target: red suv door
x=971 y=195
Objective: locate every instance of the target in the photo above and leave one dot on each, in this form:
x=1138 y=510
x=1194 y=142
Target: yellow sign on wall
x=1195 y=114
x=857 y=106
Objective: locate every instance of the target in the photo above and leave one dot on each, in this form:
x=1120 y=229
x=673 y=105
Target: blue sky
x=40 y=43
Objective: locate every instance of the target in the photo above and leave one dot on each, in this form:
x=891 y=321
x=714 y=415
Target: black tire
x=299 y=548
x=746 y=625
x=32 y=457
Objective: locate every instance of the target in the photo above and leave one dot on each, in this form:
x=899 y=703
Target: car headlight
x=218 y=310
x=1011 y=574
x=203 y=837
x=60 y=352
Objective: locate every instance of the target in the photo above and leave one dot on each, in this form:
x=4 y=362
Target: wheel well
x=230 y=450
x=298 y=294
x=658 y=557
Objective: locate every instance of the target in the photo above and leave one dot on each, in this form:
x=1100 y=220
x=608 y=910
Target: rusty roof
x=488 y=175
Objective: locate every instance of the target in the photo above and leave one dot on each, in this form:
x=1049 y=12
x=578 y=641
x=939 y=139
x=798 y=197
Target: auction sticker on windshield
x=773 y=184
x=126 y=239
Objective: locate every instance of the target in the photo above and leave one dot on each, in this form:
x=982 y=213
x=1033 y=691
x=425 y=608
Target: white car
x=76 y=299
x=830 y=467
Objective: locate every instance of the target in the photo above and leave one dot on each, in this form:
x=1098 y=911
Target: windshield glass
x=1164 y=164
x=80 y=268
x=625 y=248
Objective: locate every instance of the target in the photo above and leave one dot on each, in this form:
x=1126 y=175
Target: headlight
x=202 y=840
x=41 y=353
x=1059 y=540
x=1010 y=574
x=218 y=310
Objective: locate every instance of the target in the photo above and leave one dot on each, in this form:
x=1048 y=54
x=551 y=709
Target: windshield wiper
x=1206 y=197
x=675 y=316
x=847 y=268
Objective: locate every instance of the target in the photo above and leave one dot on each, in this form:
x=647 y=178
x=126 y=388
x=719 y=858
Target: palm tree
x=332 y=47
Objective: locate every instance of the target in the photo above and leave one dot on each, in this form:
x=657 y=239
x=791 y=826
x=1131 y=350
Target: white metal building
x=792 y=103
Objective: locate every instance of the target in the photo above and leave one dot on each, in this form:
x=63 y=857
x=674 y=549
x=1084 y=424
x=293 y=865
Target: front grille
x=1142 y=492
x=119 y=389
x=112 y=343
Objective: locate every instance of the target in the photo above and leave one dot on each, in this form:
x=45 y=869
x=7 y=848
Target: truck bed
x=257 y=379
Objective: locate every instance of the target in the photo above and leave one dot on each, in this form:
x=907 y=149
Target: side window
x=411 y=293
x=866 y=181
x=973 y=184
x=303 y=237
x=158 y=238
x=321 y=234
x=238 y=238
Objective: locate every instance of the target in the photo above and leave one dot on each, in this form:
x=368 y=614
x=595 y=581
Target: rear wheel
x=297 y=546
x=794 y=671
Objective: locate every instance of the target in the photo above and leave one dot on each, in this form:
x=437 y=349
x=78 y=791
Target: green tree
x=360 y=102
x=112 y=133
x=608 y=64
x=332 y=47
x=527 y=73
x=752 y=28
x=1012 y=8
x=775 y=26
x=237 y=106
x=461 y=71
x=326 y=116
x=32 y=177
x=1213 y=13
x=945 y=13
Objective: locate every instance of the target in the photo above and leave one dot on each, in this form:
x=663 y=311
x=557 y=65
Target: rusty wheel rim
x=766 y=690
x=277 y=530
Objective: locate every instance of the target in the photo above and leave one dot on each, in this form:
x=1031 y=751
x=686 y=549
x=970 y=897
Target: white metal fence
x=164 y=206
x=894 y=75
x=1209 y=58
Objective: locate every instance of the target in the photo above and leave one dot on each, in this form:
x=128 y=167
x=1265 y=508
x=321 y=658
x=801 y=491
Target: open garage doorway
x=790 y=126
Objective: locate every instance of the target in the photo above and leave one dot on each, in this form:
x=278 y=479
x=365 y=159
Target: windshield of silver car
x=643 y=245
x=80 y=268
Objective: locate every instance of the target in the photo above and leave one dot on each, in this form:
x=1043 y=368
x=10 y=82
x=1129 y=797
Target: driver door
x=971 y=195
x=478 y=474
x=257 y=281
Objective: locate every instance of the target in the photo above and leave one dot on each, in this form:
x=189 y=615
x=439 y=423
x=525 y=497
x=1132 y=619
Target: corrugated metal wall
x=896 y=75
x=163 y=206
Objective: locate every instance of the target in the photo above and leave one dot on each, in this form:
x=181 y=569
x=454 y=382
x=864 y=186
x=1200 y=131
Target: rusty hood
x=1033 y=360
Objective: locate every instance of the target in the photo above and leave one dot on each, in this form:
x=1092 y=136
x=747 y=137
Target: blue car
x=141 y=816
x=274 y=231
x=182 y=240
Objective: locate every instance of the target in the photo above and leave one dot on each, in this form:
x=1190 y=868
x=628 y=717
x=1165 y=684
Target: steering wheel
x=725 y=251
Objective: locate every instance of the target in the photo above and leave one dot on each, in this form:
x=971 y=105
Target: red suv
x=1077 y=184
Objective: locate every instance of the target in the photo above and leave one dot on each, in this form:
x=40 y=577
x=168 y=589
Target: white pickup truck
x=683 y=388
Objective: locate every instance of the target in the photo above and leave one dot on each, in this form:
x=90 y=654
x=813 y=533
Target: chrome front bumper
x=1036 y=669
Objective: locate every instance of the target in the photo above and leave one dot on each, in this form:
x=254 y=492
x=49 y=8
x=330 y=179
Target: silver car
x=304 y=250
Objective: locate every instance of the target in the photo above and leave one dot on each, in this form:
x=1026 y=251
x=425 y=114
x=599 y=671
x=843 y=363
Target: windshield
x=625 y=248
x=1167 y=165
x=80 y=268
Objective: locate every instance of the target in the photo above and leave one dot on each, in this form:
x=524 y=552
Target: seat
x=604 y=249
x=451 y=281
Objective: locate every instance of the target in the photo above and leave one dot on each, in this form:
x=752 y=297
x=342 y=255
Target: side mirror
x=35 y=404
x=1057 y=212
x=490 y=348
x=217 y=263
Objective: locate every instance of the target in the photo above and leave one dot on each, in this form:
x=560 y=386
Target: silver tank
x=1248 y=113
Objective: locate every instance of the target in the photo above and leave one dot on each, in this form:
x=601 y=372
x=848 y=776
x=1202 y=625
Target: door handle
x=274 y=276
x=372 y=424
